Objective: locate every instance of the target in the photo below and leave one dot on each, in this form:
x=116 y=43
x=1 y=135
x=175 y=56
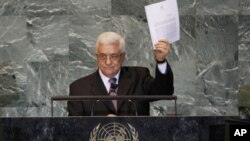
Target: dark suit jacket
x=132 y=81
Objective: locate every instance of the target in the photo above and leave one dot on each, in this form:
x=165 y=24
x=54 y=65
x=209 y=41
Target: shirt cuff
x=162 y=67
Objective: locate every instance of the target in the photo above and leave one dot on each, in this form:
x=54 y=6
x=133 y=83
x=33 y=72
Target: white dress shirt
x=105 y=79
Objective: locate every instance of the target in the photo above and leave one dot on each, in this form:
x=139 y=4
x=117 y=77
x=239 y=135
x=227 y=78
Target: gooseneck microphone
x=93 y=106
x=134 y=105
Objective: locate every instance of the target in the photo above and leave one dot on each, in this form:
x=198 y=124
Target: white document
x=163 y=21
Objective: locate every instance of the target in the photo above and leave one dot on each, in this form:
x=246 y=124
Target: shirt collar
x=106 y=79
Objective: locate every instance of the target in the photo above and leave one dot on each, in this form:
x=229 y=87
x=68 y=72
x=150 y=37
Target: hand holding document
x=163 y=21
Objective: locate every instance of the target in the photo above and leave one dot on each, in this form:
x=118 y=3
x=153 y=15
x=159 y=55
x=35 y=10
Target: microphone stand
x=134 y=105
x=93 y=106
x=130 y=101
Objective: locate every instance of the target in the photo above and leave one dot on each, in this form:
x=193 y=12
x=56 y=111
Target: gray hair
x=110 y=38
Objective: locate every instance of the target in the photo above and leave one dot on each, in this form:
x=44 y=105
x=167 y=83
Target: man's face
x=109 y=59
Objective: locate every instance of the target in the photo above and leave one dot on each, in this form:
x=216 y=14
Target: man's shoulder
x=84 y=80
x=132 y=69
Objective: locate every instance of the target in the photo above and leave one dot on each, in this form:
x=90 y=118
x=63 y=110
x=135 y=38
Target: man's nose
x=108 y=61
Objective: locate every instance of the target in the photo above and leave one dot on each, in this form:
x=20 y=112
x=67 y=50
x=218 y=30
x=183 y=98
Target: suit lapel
x=99 y=89
x=124 y=85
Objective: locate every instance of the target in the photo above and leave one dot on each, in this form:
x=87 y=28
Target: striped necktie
x=113 y=91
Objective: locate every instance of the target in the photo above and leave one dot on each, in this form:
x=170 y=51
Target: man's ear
x=124 y=56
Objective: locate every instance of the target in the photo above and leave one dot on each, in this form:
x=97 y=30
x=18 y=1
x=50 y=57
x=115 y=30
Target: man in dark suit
x=110 y=52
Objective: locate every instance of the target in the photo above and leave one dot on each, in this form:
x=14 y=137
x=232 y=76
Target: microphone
x=130 y=101
x=134 y=105
x=93 y=106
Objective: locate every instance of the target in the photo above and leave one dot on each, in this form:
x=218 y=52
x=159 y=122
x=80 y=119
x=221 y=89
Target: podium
x=131 y=98
x=177 y=128
x=122 y=128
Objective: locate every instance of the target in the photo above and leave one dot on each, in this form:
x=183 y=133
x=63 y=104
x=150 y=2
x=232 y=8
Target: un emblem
x=114 y=132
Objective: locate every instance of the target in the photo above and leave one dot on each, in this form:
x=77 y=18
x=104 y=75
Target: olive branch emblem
x=134 y=133
x=132 y=130
x=93 y=134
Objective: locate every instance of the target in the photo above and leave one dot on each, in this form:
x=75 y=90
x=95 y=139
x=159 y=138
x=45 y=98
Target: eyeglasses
x=112 y=57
